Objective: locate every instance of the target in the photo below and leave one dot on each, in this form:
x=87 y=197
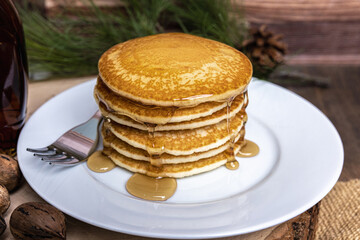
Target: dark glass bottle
x=13 y=75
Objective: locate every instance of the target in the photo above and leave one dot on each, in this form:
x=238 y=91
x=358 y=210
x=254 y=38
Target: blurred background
x=271 y=33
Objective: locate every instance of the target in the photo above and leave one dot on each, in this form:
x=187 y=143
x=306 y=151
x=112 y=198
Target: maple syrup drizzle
x=243 y=113
x=233 y=165
x=230 y=151
x=154 y=148
x=250 y=149
x=98 y=162
x=150 y=188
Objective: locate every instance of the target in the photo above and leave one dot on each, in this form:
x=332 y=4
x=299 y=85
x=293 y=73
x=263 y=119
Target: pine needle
x=210 y=19
x=71 y=44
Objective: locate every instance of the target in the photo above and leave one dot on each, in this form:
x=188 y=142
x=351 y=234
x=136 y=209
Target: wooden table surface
x=340 y=102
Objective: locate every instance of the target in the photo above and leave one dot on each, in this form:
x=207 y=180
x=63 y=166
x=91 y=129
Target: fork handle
x=81 y=140
x=97 y=115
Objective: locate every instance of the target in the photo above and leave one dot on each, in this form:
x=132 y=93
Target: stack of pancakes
x=174 y=104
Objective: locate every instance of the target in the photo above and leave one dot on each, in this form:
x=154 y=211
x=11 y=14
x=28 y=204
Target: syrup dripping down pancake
x=179 y=170
x=151 y=113
x=109 y=140
x=182 y=142
x=214 y=118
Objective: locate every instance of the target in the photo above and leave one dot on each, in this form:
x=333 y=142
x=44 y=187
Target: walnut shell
x=10 y=174
x=35 y=220
x=4 y=199
x=2 y=225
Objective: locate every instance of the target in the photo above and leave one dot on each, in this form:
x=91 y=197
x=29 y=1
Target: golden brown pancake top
x=174 y=69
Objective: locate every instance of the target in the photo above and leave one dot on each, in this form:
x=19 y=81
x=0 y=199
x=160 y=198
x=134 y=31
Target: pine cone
x=265 y=49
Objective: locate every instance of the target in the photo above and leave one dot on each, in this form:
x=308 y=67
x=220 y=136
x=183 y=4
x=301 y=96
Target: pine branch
x=210 y=19
x=71 y=46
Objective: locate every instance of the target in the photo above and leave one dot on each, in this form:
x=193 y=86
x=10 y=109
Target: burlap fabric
x=339 y=216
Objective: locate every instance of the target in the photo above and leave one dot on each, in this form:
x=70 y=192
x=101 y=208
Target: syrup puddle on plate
x=98 y=162
x=150 y=188
x=157 y=189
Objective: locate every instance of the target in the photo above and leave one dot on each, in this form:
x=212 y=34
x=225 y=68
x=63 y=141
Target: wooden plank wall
x=316 y=31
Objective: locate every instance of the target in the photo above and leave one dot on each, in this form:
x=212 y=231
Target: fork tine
x=38 y=150
x=66 y=162
x=46 y=154
x=58 y=157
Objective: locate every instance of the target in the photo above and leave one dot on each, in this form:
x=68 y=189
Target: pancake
x=216 y=117
x=175 y=69
x=153 y=114
x=174 y=104
x=109 y=140
x=182 y=142
x=179 y=170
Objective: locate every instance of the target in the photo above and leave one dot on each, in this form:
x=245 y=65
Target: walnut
x=35 y=220
x=2 y=225
x=4 y=199
x=10 y=174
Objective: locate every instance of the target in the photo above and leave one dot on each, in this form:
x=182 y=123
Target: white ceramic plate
x=300 y=160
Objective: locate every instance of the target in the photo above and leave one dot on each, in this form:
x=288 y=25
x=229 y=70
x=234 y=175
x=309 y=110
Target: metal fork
x=74 y=146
